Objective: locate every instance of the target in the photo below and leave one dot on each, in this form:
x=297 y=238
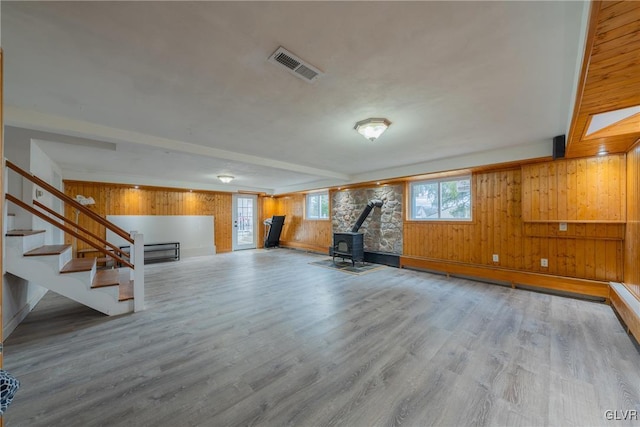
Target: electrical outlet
x=544 y=262
x=563 y=226
x=496 y=258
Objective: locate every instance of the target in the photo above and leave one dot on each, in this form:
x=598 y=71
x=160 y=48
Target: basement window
x=317 y=206
x=446 y=199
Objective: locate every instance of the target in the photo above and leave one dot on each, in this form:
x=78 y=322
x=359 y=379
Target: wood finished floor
x=264 y=338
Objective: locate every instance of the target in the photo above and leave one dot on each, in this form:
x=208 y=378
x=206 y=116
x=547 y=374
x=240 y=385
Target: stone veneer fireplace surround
x=383 y=228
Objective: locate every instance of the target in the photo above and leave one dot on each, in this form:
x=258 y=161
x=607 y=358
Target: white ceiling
x=185 y=92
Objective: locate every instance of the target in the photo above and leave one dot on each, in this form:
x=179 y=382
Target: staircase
x=52 y=266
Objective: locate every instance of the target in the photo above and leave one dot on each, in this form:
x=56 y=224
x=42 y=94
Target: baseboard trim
x=305 y=246
x=12 y=324
x=628 y=307
x=571 y=285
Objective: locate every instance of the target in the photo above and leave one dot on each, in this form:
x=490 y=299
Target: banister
x=79 y=227
x=59 y=194
x=64 y=228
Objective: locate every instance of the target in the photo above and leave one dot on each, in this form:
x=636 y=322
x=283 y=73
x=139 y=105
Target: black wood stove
x=350 y=244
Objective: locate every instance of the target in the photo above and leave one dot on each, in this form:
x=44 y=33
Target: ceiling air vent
x=296 y=66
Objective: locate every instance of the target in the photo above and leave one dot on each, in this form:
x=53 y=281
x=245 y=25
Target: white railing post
x=137 y=273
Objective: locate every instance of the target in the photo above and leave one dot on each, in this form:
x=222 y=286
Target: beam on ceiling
x=24 y=118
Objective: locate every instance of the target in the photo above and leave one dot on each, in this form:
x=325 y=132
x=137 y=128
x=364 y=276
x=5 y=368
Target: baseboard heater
x=384 y=258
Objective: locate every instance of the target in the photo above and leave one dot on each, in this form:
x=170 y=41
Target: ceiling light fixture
x=372 y=128
x=85 y=201
x=225 y=178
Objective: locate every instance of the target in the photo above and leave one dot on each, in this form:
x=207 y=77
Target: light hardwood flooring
x=264 y=338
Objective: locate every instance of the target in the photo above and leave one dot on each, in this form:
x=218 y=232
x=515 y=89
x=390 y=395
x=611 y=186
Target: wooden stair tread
x=115 y=277
x=48 y=250
x=106 y=278
x=126 y=290
x=78 y=264
x=24 y=232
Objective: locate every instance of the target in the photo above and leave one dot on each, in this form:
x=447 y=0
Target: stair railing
x=136 y=255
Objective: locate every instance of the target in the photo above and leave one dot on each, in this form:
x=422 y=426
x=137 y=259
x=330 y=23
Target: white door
x=245 y=216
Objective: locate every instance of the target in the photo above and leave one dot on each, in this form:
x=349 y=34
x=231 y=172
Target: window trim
x=410 y=206
x=318 y=194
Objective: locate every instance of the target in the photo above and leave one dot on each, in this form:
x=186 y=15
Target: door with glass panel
x=245 y=216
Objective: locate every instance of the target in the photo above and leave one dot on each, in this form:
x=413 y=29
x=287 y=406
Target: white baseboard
x=12 y=324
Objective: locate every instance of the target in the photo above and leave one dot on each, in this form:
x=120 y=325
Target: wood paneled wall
x=516 y=212
x=632 y=237
x=588 y=189
x=298 y=232
x=114 y=199
x=587 y=250
x=495 y=229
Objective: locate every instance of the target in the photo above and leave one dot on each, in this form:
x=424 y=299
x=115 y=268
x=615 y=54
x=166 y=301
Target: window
x=317 y=206
x=446 y=199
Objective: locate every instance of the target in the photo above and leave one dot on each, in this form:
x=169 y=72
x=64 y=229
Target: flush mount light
x=85 y=201
x=372 y=128
x=226 y=178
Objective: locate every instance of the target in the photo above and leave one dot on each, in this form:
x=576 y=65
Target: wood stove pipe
x=365 y=213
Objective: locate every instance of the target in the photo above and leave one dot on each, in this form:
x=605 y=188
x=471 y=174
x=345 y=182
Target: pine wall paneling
x=298 y=232
x=587 y=250
x=632 y=237
x=495 y=229
x=575 y=190
x=266 y=209
x=586 y=193
x=114 y=199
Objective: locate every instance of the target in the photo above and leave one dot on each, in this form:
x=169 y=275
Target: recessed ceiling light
x=226 y=178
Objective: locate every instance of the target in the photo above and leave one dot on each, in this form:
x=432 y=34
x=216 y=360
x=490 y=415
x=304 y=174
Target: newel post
x=137 y=273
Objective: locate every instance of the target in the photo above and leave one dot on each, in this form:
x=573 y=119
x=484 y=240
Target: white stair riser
x=25 y=243
x=65 y=257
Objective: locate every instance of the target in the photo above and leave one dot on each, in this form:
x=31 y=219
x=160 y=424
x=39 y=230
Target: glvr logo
x=620 y=415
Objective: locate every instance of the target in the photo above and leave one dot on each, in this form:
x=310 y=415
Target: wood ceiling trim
x=591 y=32
x=608 y=4
x=603 y=50
x=617 y=32
x=609 y=80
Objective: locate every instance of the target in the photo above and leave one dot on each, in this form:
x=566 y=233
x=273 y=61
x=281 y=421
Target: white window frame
x=319 y=196
x=439 y=181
